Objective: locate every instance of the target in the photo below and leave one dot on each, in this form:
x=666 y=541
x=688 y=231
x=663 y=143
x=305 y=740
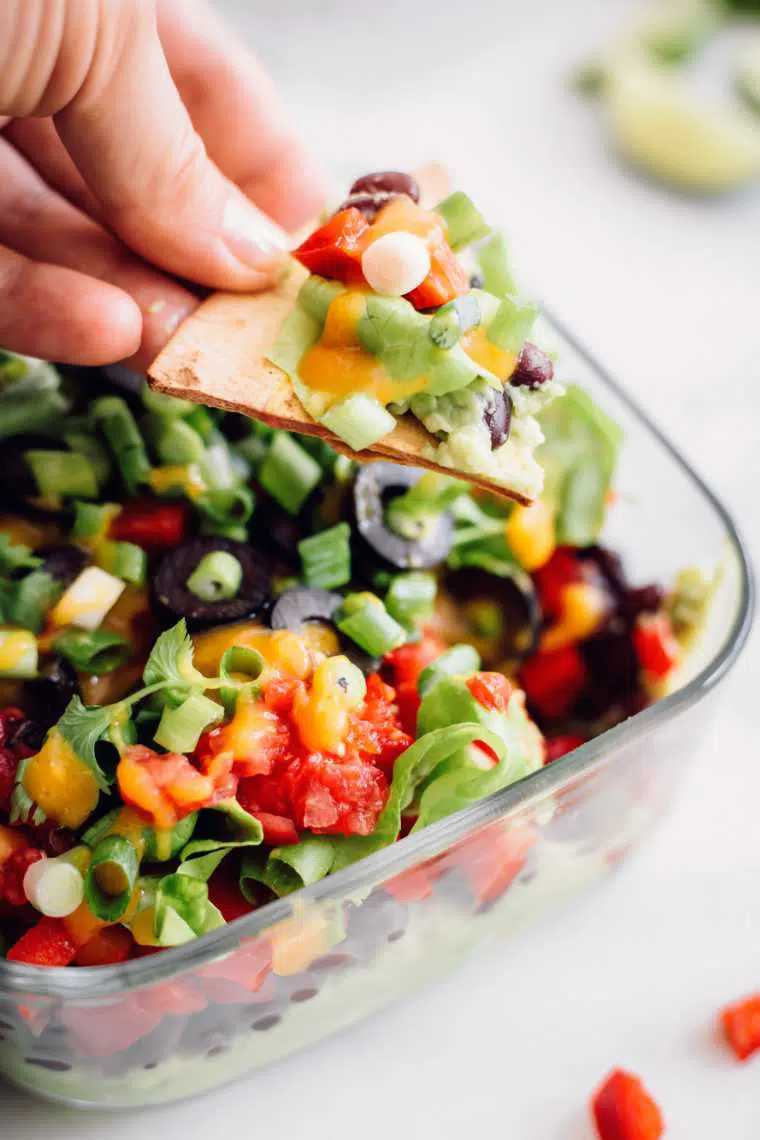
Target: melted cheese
x=479 y=348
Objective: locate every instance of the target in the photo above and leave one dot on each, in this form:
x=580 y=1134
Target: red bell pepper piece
x=335 y=249
x=562 y=568
x=556 y=746
x=492 y=859
x=408 y=661
x=151 y=524
x=445 y=280
x=623 y=1109
x=656 y=646
x=554 y=680
x=741 y=1025
x=107 y=947
x=414 y=885
x=48 y=943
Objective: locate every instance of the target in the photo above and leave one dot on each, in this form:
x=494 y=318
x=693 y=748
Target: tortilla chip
x=218 y=357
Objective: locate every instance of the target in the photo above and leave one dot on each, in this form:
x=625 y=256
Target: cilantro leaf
x=171 y=661
x=82 y=728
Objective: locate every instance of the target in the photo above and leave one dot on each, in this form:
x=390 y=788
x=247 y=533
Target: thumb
x=132 y=139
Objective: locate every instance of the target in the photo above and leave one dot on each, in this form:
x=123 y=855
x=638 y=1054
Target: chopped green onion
x=159 y=845
x=175 y=440
x=125 y=560
x=18 y=653
x=224 y=530
x=111 y=878
x=360 y=421
x=113 y=417
x=242 y=665
x=217 y=466
x=93 y=520
x=289 y=473
x=511 y=324
x=326 y=557
x=364 y=619
x=493 y=259
x=454 y=319
x=12 y=367
x=180 y=728
x=201 y=420
x=464 y=223
x=83 y=441
x=232 y=507
x=459 y=661
x=411 y=596
x=32 y=597
x=62 y=474
x=216 y=577
x=169 y=406
x=31 y=401
x=96 y=651
x=16 y=556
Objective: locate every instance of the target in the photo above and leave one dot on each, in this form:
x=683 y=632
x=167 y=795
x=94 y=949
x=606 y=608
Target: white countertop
x=666 y=291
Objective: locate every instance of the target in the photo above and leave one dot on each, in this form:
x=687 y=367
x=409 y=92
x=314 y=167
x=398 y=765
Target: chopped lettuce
x=287 y=869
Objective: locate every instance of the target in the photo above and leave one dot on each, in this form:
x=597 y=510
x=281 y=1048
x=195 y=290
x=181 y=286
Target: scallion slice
x=216 y=577
x=111 y=878
x=169 y=406
x=360 y=421
x=326 y=557
x=180 y=728
x=175 y=440
x=464 y=222
x=113 y=417
x=124 y=560
x=231 y=507
x=32 y=597
x=289 y=473
x=96 y=651
x=411 y=597
x=92 y=520
x=511 y=324
x=364 y=619
x=62 y=474
x=493 y=259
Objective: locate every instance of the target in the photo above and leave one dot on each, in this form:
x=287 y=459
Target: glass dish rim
x=90 y=983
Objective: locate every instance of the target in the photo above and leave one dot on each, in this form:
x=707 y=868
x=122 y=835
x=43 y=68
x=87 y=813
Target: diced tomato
x=178 y=998
x=12 y=874
x=554 y=680
x=256 y=738
x=491 y=690
x=101 y=1030
x=492 y=859
x=165 y=787
x=106 y=947
x=335 y=249
x=556 y=746
x=408 y=703
x=656 y=646
x=48 y=943
x=741 y=1025
x=279 y=831
x=445 y=280
x=151 y=524
x=336 y=795
x=623 y=1110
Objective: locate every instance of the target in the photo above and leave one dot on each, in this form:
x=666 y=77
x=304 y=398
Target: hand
x=135 y=138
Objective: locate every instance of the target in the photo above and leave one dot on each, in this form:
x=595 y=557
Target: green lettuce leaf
x=578 y=458
x=183 y=910
x=287 y=869
x=83 y=728
x=412 y=768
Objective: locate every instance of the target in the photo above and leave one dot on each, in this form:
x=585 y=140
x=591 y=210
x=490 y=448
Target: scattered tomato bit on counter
x=741 y=1026
x=622 y=1109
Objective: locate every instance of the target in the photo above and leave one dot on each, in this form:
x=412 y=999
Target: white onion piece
x=53 y=887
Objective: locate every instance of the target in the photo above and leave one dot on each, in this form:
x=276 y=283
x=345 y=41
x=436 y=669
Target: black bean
x=611 y=567
x=29 y=736
x=534 y=368
x=305 y=994
x=267 y=1022
x=369 y=204
x=387 y=181
x=497 y=415
x=642 y=600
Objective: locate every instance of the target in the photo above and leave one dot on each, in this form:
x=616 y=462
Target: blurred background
x=664 y=288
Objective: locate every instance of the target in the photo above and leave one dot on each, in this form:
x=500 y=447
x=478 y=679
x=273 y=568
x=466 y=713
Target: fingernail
x=251 y=237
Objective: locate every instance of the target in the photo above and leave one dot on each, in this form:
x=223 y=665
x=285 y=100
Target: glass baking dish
x=177 y=1023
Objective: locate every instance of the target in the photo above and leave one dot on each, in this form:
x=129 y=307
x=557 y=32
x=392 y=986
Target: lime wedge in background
x=664 y=128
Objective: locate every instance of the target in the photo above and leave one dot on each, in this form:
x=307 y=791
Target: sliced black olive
x=375 y=486
x=62 y=561
x=306 y=604
x=172 y=593
x=516 y=610
x=48 y=694
x=497 y=414
x=613 y=669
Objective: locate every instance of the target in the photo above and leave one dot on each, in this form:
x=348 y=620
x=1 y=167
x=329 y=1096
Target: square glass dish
x=177 y=1023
